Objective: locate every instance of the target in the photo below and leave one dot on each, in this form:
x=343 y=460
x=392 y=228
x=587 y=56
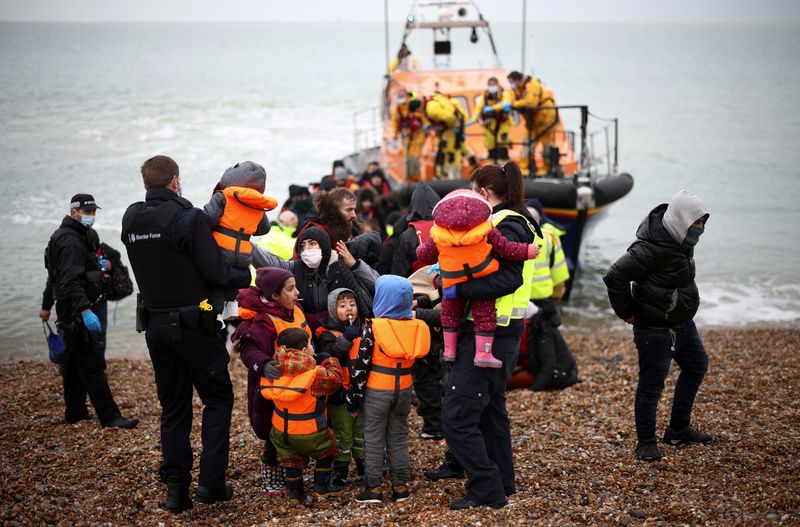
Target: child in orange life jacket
x=464 y=240
x=235 y=212
x=299 y=423
x=339 y=336
x=380 y=384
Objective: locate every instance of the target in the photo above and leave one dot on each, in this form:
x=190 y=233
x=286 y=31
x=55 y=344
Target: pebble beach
x=573 y=451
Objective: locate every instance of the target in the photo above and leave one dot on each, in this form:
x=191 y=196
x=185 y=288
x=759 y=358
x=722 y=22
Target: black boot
x=294 y=483
x=322 y=479
x=213 y=495
x=450 y=469
x=178 y=499
x=339 y=475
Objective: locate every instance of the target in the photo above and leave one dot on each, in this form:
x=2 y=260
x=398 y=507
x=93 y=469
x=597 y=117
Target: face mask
x=692 y=236
x=492 y=89
x=512 y=85
x=311 y=257
x=87 y=221
x=401 y=100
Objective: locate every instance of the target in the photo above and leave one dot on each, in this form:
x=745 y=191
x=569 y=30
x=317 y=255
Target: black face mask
x=692 y=236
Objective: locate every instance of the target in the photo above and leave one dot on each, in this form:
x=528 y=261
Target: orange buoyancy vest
x=296 y=410
x=244 y=210
x=298 y=321
x=344 y=362
x=464 y=255
x=398 y=343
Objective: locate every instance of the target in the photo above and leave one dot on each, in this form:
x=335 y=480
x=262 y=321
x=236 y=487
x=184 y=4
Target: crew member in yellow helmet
x=537 y=106
x=491 y=112
x=409 y=120
x=448 y=118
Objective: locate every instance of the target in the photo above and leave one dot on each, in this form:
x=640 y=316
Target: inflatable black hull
x=576 y=211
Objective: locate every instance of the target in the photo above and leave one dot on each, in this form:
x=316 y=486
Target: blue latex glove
x=103 y=264
x=351 y=331
x=449 y=292
x=488 y=109
x=393 y=144
x=457 y=130
x=506 y=106
x=91 y=321
x=425 y=127
x=434 y=269
x=470 y=122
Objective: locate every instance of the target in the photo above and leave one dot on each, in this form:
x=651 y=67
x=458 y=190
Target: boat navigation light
x=410 y=19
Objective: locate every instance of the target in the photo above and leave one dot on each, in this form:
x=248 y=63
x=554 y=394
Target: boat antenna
x=386 y=31
x=524 y=20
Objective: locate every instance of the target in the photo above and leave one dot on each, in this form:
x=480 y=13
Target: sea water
x=710 y=108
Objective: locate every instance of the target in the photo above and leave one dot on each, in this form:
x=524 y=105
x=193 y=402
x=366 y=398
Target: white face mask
x=88 y=221
x=400 y=100
x=492 y=89
x=512 y=85
x=311 y=257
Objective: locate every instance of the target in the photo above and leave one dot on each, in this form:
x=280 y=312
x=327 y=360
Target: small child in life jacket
x=299 y=423
x=464 y=241
x=339 y=336
x=380 y=385
x=235 y=212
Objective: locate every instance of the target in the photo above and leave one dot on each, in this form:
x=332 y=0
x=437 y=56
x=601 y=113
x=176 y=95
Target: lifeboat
x=582 y=179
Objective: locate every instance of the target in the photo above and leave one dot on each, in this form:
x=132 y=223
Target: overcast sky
x=723 y=11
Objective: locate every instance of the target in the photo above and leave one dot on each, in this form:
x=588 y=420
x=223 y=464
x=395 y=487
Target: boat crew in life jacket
x=409 y=120
x=537 y=106
x=491 y=110
x=448 y=118
x=404 y=61
x=465 y=242
x=299 y=422
x=235 y=212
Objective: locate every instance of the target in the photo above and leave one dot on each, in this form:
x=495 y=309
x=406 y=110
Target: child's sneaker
x=373 y=495
x=687 y=435
x=400 y=493
x=273 y=480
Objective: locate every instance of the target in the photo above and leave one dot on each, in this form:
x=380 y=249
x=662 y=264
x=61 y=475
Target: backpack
x=120 y=285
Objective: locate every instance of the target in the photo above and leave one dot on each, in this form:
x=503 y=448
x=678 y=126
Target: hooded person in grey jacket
x=652 y=287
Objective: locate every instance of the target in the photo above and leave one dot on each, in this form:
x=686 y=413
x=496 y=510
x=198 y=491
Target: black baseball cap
x=83 y=201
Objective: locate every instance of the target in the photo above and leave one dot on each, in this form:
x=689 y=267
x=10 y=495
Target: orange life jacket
x=423 y=230
x=244 y=210
x=298 y=321
x=344 y=362
x=398 y=343
x=296 y=410
x=464 y=255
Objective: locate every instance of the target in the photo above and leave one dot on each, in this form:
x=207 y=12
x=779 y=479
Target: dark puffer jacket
x=664 y=293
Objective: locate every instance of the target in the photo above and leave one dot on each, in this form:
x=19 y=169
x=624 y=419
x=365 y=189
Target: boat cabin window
x=465 y=103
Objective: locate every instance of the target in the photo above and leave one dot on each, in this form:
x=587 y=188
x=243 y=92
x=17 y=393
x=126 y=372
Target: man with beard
x=335 y=213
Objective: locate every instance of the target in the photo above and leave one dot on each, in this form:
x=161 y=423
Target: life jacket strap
x=468 y=271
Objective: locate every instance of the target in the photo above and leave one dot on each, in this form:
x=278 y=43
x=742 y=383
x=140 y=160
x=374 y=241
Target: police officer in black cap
x=75 y=284
x=176 y=262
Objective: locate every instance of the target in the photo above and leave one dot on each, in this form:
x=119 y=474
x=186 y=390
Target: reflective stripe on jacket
x=514 y=305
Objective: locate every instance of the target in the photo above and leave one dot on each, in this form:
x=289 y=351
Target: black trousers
x=475 y=419
x=427 y=375
x=83 y=370
x=657 y=348
x=182 y=360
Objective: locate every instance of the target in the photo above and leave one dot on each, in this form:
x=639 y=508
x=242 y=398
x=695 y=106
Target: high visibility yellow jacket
x=550 y=265
x=278 y=241
x=443 y=111
x=496 y=103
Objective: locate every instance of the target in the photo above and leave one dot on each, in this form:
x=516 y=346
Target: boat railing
x=367 y=129
x=602 y=149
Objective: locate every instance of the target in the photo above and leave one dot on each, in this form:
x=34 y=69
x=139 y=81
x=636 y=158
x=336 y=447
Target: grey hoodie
x=682 y=211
